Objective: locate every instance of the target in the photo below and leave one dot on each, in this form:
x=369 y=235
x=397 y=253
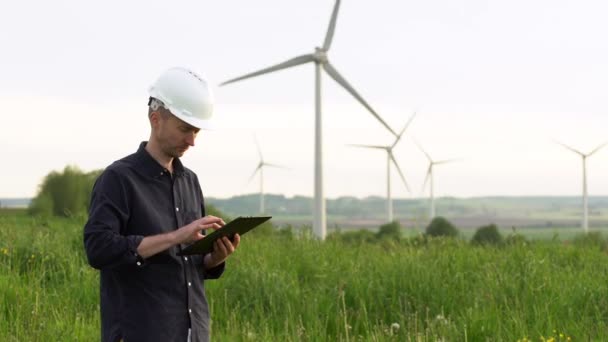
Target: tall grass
x=285 y=288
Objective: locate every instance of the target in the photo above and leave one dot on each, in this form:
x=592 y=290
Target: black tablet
x=240 y=225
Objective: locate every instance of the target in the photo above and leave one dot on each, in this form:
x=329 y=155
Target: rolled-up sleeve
x=108 y=215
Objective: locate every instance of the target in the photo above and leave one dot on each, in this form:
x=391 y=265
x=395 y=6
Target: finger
x=198 y=236
x=210 y=219
x=236 y=240
x=219 y=220
x=213 y=226
x=219 y=247
x=228 y=245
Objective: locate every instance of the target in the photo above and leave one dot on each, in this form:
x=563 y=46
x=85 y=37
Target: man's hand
x=192 y=232
x=222 y=248
x=154 y=244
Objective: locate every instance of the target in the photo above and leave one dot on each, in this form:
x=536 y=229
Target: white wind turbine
x=319 y=57
x=260 y=169
x=430 y=178
x=390 y=158
x=585 y=222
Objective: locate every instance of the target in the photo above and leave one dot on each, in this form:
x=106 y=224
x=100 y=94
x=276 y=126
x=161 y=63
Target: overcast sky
x=493 y=83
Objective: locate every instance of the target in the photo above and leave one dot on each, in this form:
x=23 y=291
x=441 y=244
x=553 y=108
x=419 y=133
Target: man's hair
x=157 y=105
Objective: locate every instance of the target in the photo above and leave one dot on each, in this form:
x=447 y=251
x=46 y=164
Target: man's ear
x=155 y=118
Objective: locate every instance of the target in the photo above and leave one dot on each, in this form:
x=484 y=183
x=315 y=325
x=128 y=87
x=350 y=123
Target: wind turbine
x=260 y=169
x=585 y=223
x=430 y=179
x=319 y=57
x=390 y=158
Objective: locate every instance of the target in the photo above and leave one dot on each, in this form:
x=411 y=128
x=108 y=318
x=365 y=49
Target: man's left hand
x=222 y=248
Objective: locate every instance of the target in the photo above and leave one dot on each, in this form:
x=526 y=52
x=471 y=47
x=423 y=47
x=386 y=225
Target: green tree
x=487 y=235
x=441 y=227
x=391 y=230
x=64 y=193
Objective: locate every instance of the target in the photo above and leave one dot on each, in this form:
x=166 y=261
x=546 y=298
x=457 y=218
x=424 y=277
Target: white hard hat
x=186 y=95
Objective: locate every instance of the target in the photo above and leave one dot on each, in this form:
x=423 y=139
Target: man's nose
x=190 y=139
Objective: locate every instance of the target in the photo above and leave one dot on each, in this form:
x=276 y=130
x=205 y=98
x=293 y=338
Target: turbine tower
x=319 y=57
x=585 y=222
x=390 y=158
x=260 y=169
x=430 y=179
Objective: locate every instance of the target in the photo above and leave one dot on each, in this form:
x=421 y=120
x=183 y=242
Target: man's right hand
x=192 y=231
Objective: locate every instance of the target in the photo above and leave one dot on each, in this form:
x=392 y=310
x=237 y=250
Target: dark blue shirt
x=161 y=297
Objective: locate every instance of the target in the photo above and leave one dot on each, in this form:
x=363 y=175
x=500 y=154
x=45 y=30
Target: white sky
x=493 y=83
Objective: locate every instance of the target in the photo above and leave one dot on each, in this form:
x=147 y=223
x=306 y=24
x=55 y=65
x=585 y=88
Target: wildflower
x=441 y=319
x=395 y=327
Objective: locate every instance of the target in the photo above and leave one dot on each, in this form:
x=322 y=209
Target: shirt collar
x=151 y=168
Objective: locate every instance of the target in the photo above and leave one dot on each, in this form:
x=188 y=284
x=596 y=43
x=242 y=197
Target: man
x=144 y=209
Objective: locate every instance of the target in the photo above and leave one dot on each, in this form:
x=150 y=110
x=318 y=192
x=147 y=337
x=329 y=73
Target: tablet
x=240 y=225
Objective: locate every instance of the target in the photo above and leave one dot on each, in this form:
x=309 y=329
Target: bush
x=353 y=237
x=487 y=235
x=64 y=193
x=390 y=230
x=441 y=227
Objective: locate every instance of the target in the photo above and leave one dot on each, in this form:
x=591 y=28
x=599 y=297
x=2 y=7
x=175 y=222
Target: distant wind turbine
x=260 y=169
x=390 y=158
x=319 y=57
x=585 y=222
x=430 y=178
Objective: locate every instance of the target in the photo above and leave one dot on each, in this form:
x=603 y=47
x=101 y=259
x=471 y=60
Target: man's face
x=173 y=135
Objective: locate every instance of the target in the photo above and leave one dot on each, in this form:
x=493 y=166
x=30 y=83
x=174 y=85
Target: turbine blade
x=287 y=64
x=423 y=151
x=426 y=179
x=332 y=26
x=257 y=144
x=404 y=128
x=369 y=146
x=276 y=165
x=254 y=172
x=400 y=173
x=445 y=161
x=597 y=148
x=331 y=71
x=570 y=148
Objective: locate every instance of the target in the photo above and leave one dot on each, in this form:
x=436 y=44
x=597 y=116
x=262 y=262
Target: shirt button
x=185 y=258
x=139 y=263
x=189 y=284
x=189 y=310
x=176 y=209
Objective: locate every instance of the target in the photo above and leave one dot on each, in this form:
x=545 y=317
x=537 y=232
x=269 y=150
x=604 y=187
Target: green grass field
x=283 y=288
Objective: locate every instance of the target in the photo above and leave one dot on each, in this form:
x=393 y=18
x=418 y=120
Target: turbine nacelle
x=320 y=55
